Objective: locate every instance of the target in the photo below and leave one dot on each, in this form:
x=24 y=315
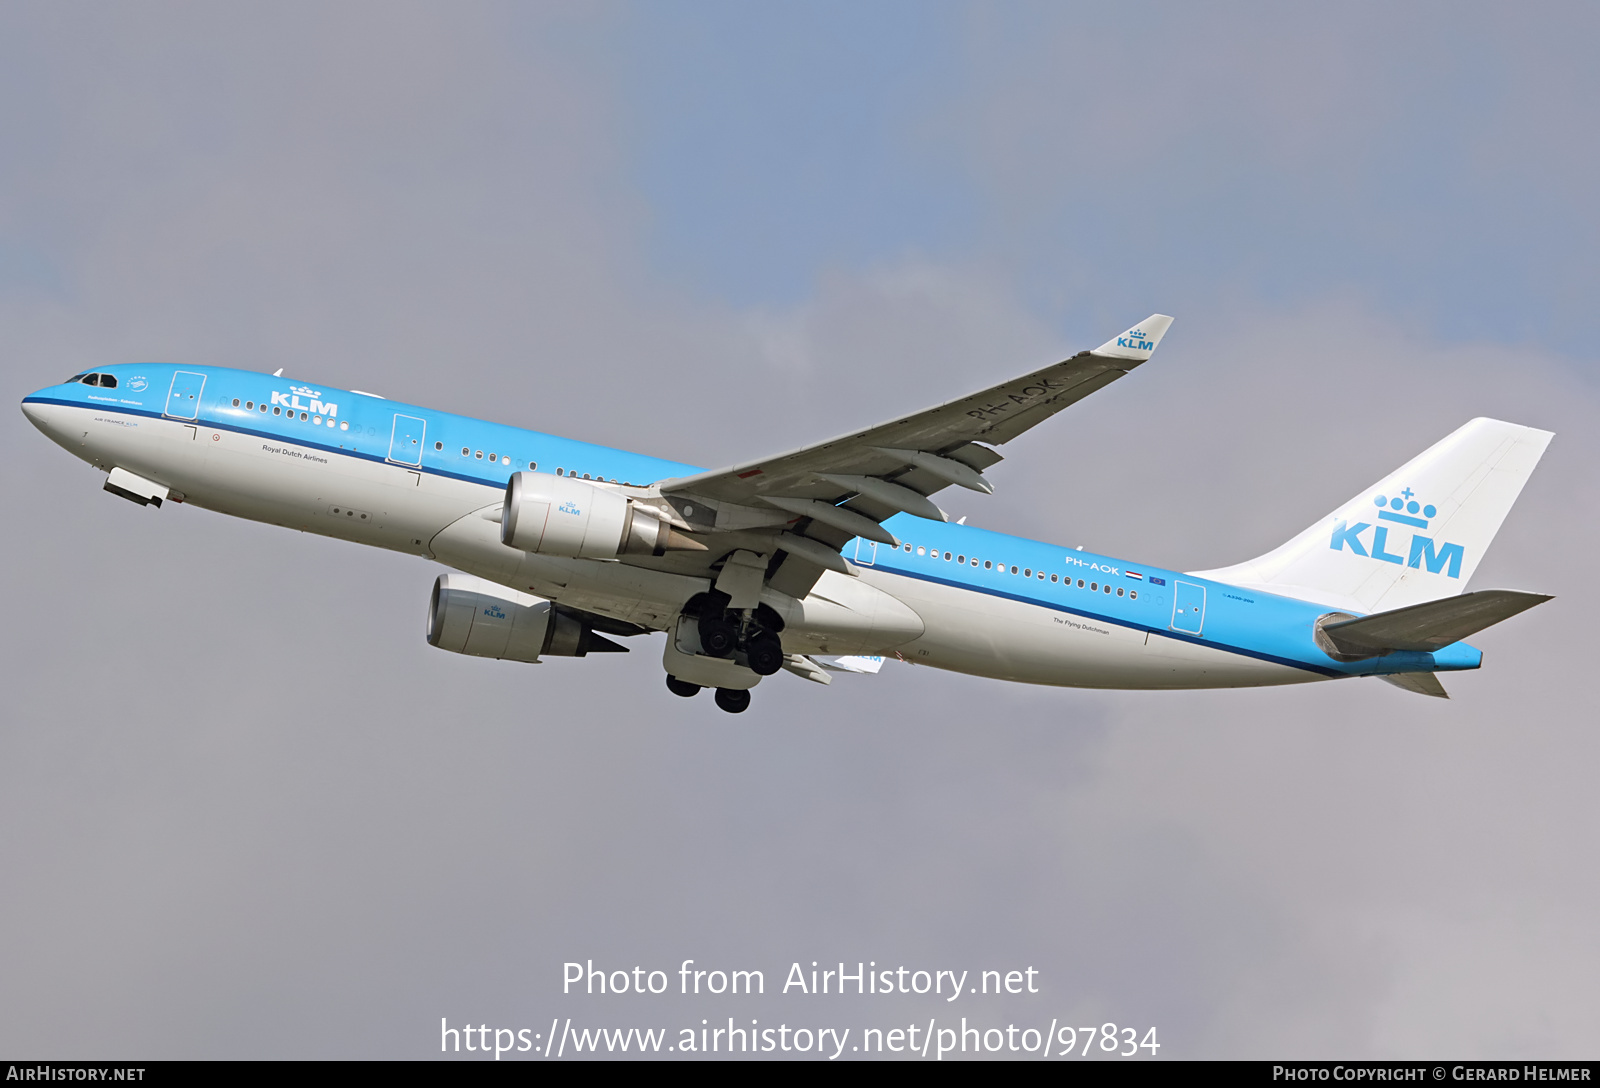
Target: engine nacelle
x=558 y=515
x=469 y=615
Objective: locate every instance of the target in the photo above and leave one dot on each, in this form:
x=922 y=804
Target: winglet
x=1139 y=342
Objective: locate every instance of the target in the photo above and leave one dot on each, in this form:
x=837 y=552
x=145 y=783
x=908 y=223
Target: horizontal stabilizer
x=1430 y=626
x=1423 y=683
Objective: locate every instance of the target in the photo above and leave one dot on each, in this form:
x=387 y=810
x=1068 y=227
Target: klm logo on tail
x=1135 y=340
x=1404 y=510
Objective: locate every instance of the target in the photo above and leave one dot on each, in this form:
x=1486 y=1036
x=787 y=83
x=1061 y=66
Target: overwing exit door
x=405 y=442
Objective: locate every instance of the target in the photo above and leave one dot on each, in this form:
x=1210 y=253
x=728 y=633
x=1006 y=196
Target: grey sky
x=246 y=811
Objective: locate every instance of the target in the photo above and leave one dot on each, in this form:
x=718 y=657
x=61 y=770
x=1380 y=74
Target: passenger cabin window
x=263 y=407
x=438 y=445
x=236 y=402
x=533 y=466
x=493 y=457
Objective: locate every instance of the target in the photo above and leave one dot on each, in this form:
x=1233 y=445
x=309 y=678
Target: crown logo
x=1404 y=508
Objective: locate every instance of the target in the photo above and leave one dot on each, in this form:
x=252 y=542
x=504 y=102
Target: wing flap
x=995 y=415
x=825 y=494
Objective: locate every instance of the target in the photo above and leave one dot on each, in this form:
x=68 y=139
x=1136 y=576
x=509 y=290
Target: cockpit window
x=108 y=381
x=91 y=379
x=74 y=378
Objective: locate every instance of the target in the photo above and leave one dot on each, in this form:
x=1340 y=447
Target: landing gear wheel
x=733 y=700
x=682 y=687
x=718 y=637
x=765 y=656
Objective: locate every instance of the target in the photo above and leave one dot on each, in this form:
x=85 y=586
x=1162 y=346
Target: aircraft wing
x=820 y=496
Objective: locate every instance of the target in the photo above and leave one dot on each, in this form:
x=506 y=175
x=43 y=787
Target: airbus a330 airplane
x=823 y=558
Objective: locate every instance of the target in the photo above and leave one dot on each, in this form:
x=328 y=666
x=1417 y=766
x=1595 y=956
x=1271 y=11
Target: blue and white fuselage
x=361 y=468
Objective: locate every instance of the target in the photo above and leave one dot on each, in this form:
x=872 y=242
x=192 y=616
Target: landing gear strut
x=733 y=700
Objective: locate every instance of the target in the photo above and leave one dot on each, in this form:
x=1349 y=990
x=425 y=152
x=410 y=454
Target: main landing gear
x=733 y=700
x=749 y=636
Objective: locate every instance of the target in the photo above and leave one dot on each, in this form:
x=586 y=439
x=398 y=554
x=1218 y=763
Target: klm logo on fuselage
x=1135 y=340
x=1422 y=550
x=291 y=401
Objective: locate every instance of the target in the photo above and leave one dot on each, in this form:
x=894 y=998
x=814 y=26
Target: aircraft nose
x=38 y=413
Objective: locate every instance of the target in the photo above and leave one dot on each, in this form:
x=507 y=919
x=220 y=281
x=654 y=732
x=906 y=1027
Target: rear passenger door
x=1188 y=608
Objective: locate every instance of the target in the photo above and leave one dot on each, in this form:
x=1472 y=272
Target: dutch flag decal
x=1135 y=575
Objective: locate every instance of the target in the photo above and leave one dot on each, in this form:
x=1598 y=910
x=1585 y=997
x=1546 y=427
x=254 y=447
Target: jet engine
x=558 y=515
x=468 y=615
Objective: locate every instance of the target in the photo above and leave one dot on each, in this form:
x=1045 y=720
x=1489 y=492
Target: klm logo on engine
x=291 y=401
x=569 y=507
x=1422 y=551
x=1136 y=341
